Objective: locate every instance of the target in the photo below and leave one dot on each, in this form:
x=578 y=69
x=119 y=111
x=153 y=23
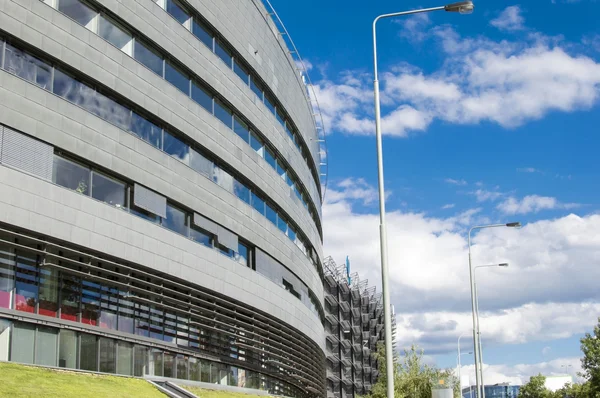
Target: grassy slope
x=27 y=381
x=202 y=393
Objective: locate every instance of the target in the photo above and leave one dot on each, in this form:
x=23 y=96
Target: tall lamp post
x=476 y=346
x=463 y=7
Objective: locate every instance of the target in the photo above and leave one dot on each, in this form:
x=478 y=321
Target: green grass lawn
x=202 y=393
x=29 y=381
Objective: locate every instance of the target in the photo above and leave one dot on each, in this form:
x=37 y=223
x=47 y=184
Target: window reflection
x=176 y=220
x=176 y=148
x=27 y=67
x=223 y=113
x=177 y=78
x=241 y=129
x=258 y=203
x=255 y=86
x=76 y=10
x=114 y=35
x=223 y=179
x=241 y=71
x=271 y=214
x=203 y=33
x=241 y=191
x=71 y=175
x=257 y=144
x=149 y=58
x=108 y=190
x=147 y=131
x=270 y=158
x=177 y=12
x=202 y=97
x=201 y=164
x=201 y=236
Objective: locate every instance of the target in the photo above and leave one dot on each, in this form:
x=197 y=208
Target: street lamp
x=463 y=7
x=460 y=368
x=476 y=345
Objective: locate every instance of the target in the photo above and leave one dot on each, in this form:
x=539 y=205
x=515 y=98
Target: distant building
x=501 y=390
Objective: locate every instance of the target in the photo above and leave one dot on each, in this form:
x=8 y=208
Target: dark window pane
x=147 y=131
x=90 y=302
x=201 y=237
x=176 y=148
x=108 y=355
x=149 y=58
x=223 y=53
x=241 y=129
x=177 y=78
x=177 y=12
x=202 y=97
x=182 y=367
x=205 y=372
x=289 y=132
x=72 y=90
x=141 y=318
x=70 y=297
x=27 y=67
x=140 y=365
x=258 y=203
x=257 y=144
x=270 y=158
x=291 y=233
x=108 y=308
x=89 y=353
x=108 y=190
x=156 y=324
x=67 y=355
x=271 y=214
x=280 y=117
x=7 y=275
x=26 y=285
x=241 y=71
x=203 y=33
x=169 y=365
x=114 y=35
x=155 y=365
x=269 y=103
x=223 y=113
x=125 y=358
x=176 y=220
x=242 y=255
x=194 y=372
x=257 y=88
x=281 y=169
x=71 y=175
x=48 y=292
x=46 y=346
x=282 y=225
x=81 y=13
x=22 y=343
x=126 y=309
x=241 y=191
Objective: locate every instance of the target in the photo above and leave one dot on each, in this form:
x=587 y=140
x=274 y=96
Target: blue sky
x=487 y=117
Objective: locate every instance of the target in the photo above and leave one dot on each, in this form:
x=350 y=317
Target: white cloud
x=546 y=350
x=532 y=204
x=483 y=195
x=413 y=27
x=510 y=19
x=452 y=181
x=448 y=206
x=528 y=170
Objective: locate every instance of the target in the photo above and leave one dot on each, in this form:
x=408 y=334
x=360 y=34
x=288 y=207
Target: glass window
x=73 y=90
x=282 y=225
x=70 y=297
x=27 y=67
x=176 y=220
x=242 y=255
x=114 y=35
x=241 y=71
x=108 y=190
x=126 y=309
x=88 y=359
x=48 y=305
x=241 y=191
x=289 y=132
x=76 y=10
x=108 y=356
x=156 y=324
x=176 y=148
x=291 y=233
x=280 y=117
x=7 y=275
x=108 y=307
x=182 y=367
x=223 y=52
x=67 y=355
x=149 y=58
x=22 y=343
x=26 y=292
x=141 y=317
x=169 y=365
x=205 y=372
x=257 y=144
x=147 y=131
x=233 y=376
x=271 y=214
x=258 y=203
x=270 y=158
x=177 y=78
x=269 y=103
x=46 y=346
x=155 y=362
x=256 y=87
x=223 y=113
x=223 y=179
x=202 y=32
x=202 y=97
x=140 y=355
x=177 y=12
x=125 y=358
x=201 y=164
x=109 y=110
x=90 y=300
x=241 y=129
x=194 y=372
x=201 y=237
x=281 y=169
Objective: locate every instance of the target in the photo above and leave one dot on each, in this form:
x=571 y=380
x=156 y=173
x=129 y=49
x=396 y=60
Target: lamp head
x=503 y=265
x=464 y=7
x=513 y=224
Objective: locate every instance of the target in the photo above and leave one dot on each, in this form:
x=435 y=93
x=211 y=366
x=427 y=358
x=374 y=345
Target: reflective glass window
x=108 y=355
x=125 y=358
x=282 y=225
x=201 y=236
x=269 y=103
x=257 y=88
x=241 y=191
x=177 y=78
x=242 y=255
x=7 y=275
x=280 y=117
x=258 y=203
x=257 y=144
x=202 y=97
x=140 y=355
x=126 y=309
x=109 y=110
x=182 y=367
x=67 y=355
x=289 y=132
x=48 y=305
x=149 y=58
x=147 y=131
x=22 y=343
x=114 y=35
x=270 y=158
x=26 y=284
x=46 y=346
x=201 y=164
x=203 y=33
x=27 y=67
x=205 y=372
x=70 y=297
x=169 y=365
x=108 y=190
x=194 y=372
x=233 y=376
x=223 y=113
x=108 y=307
x=88 y=360
x=241 y=129
x=78 y=11
x=241 y=71
x=176 y=148
x=271 y=214
x=141 y=318
x=156 y=324
x=223 y=179
x=90 y=302
x=292 y=233
x=281 y=169
x=223 y=53
x=155 y=362
x=176 y=220
x=177 y=12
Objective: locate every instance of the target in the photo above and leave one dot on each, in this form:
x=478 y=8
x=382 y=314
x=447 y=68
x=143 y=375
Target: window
x=176 y=220
x=256 y=87
x=88 y=359
x=108 y=355
x=67 y=355
x=108 y=190
x=271 y=214
x=223 y=113
x=201 y=236
x=258 y=203
x=177 y=12
x=125 y=318
x=203 y=33
x=148 y=57
x=269 y=103
x=223 y=53
x=169 y=365
x=280 y=117
x=202 y=97
x=114 y=35
x=90 y=303
x=26 y=285
x=289 y=132
x=48 y=304
x=182 y=367
x=155 y=363
x=282 y=225
x=78 y=11
x=7 y=275
x=27 y=67
x=257 y=144
x=205 y=372
x=241 y=71
x=71 y=175
x=177 y=78
x=147 y=131
x=140 y=355
x=270 y=158
x=241 y=129
x=70 y=297
x=194 y=369
x=242 y=255
x=176 y=148
x=125 y=358
x=292 y=234
x=241 y=191
x=223 y=179
x=281 y=169
x=22 y=342
x=201 y=164
x=46 y=346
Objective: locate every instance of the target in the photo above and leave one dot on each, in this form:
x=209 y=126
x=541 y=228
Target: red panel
x=4 y=299
x=21 y=304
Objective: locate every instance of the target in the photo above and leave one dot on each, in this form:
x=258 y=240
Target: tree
x=535 y=388
x=590 y=346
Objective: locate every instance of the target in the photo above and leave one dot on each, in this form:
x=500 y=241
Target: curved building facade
x=160 y=206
